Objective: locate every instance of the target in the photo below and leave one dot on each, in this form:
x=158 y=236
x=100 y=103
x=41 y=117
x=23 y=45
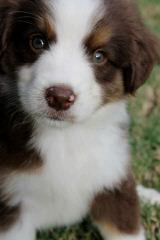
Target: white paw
x=148 y=195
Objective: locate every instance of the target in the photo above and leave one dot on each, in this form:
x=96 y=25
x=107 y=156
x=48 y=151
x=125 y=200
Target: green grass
x=145 y=129
x=145 y=143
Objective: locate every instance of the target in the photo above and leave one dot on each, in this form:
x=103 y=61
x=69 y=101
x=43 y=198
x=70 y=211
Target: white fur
x=79 y=162
x=148 y=195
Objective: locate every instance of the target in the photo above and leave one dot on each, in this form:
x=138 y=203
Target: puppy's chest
x=82 y=158
x=77 y=165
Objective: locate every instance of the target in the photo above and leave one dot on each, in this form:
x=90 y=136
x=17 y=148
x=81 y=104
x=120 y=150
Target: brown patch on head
x=141 y=45
x=119 y=208
x=46 y=25
x=129 y=47
x=99 y=36
x=107 y=74
x=19 y=22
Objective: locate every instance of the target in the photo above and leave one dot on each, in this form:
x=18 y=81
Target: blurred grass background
x=145 y=142
x=145 y=129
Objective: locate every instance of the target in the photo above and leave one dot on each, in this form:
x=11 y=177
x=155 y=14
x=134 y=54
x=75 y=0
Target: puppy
x=66 y=69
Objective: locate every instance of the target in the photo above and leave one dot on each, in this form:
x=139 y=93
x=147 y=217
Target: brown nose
x=60 y=98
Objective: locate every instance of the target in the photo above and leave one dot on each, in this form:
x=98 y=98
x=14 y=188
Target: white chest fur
x=79 y=161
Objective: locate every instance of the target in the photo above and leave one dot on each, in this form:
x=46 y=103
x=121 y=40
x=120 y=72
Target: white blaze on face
x=75 y=19
x=66 y=61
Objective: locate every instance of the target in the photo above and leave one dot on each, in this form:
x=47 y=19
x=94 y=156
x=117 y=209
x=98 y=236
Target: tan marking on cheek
x=114 y=90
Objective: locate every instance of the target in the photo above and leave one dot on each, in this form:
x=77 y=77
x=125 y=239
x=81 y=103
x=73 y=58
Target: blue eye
x=38 y=42
x=99 y=57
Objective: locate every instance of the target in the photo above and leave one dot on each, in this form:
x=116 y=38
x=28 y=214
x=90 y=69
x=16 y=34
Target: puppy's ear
x=7 y=8
x=145 y=53
x=4 y=11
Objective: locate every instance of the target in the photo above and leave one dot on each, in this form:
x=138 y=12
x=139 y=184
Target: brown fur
x=19 y=21
x=138 y=47
x=99 y=37
x=129 y=46
x=48 y=27
x=20 y=161
x=118 y=209
x=9 y=215
x=114 y=90
x=16 y=126
x=106 y=74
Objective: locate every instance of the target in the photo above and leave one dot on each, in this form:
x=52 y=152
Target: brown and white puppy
x=66 y=68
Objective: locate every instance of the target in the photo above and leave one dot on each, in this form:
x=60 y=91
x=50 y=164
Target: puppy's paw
x=148 y=195
x=119 y=236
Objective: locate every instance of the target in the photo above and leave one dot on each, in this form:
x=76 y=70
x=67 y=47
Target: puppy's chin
x=52 y=123
x=52 y=118
x=57 y=120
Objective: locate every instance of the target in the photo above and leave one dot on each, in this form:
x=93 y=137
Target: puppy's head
x=69 y=58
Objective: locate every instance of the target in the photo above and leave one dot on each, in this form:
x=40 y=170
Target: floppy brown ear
x=4 y=20
x=145 y=54
x=7 y=8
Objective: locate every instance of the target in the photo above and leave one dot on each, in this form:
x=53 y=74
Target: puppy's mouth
x=53 y=115
x=57 y=116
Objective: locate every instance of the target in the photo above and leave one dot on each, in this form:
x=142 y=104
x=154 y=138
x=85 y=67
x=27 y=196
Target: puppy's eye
x=38 y=42
x=99 y=57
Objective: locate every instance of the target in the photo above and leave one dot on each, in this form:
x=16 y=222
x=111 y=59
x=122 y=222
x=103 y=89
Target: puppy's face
x=70 y=58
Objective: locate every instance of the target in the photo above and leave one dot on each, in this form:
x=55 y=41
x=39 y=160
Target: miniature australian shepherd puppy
x=66 y=69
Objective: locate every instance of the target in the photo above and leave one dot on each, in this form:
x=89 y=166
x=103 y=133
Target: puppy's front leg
x=116 y=213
